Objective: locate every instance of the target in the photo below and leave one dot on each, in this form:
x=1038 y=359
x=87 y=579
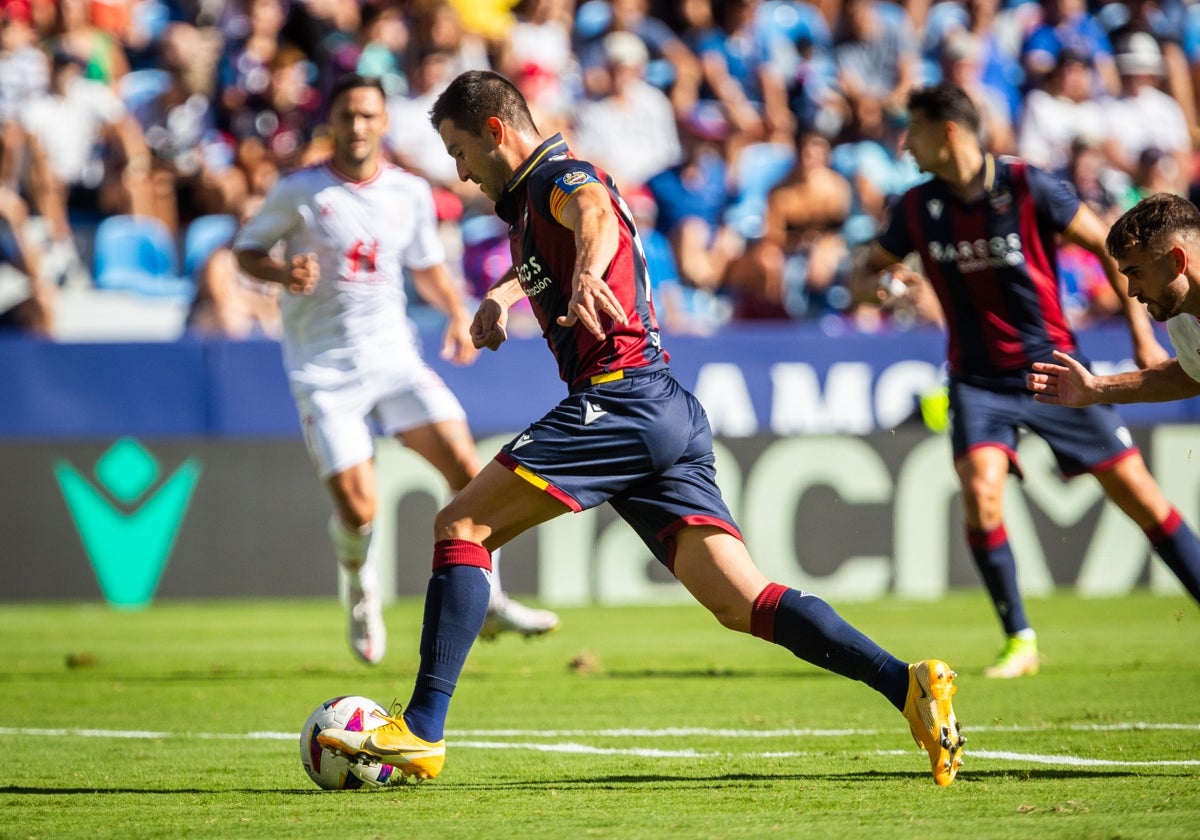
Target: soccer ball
x=334 y=772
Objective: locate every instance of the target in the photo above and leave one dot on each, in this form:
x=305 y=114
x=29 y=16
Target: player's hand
x=303 y=274
x=1068 y=383
x=895 y=281
x=457 y=342
x=591 y=299
x=488 y=328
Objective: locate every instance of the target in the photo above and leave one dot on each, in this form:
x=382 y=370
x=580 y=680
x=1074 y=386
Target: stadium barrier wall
x=176 y=470
x=850 y=517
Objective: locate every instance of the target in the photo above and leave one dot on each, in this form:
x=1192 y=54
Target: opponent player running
x=349 y=226
x=627 y=433
x=1157 y=247
x=984 y=229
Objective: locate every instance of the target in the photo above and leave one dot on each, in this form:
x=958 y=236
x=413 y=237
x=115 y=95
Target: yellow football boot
x=392 y=744
x=931 y=717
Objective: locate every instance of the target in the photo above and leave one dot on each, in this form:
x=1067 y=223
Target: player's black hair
x=945 y=102
x=1152 y=221
x=474 y=96
x=349 y=81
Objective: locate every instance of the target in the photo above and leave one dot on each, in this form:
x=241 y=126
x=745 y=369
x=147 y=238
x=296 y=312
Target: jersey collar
x=506 y=207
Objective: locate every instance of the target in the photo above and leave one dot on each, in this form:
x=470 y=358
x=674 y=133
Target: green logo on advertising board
x=126 y=530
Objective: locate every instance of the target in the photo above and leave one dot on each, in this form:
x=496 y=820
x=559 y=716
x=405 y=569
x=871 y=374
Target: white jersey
x=1184 y=331
x=364 y=234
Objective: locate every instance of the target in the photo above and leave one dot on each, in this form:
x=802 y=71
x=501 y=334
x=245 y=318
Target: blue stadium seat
x=204 y=235
x=137 y=254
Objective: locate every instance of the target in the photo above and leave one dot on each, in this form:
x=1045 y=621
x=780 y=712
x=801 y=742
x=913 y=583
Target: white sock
x=1025 y=635
x=352 y=548
x=497 y=596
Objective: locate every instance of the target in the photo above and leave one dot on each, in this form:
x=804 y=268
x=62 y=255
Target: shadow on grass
x=739 y=781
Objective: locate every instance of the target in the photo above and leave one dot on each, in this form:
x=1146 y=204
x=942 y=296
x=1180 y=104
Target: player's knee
x=451 y=523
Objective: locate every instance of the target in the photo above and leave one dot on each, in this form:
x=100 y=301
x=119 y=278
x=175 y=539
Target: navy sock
x=1177 y=545
x=813 y=631
x=998 y=568
x=456 y=603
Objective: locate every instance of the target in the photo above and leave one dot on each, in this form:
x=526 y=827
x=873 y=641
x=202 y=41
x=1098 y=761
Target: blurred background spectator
x=758 y=142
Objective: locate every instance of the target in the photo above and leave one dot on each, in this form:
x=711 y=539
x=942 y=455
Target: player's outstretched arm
x=589 y=213
x=1070 y=383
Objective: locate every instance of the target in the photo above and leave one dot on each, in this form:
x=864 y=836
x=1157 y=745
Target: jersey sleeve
x=1055 y=198
x=426 y=249
x=1184 y=331
x=558 y=182
x=894 y=234
x=276 y=217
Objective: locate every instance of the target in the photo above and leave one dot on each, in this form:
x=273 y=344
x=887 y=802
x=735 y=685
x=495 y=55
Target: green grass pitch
x=181 y=721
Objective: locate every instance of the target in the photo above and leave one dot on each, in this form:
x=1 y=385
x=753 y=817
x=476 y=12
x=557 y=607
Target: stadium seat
x=137 y=254
x=204 y=235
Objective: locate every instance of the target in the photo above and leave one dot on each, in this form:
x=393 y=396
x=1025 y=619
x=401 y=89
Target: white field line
x=458 y=741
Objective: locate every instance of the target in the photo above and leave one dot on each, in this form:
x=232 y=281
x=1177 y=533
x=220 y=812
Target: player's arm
x=886 y=277
x=1088 y=231
x=589 y=213
x=277 y=216
x=1070 y=383
x=299 y=275
x=433 y=284
x=489 y=328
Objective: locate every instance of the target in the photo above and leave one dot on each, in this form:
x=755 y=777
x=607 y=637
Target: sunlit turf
x=628 y=722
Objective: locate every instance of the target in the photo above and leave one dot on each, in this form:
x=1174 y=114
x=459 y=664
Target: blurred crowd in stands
x=758 y=142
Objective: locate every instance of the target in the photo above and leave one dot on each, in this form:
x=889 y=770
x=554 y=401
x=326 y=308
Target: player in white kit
x=349 y=227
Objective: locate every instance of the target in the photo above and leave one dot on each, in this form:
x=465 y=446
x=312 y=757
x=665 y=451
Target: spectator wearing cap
x=673 y=66
x=1060 y=112
x=1166 y=22
x=632 y=108
x=1143 y=116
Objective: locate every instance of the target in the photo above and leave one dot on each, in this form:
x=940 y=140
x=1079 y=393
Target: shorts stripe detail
x=508 y=462
x=612 y=376
x=460 y=553
x=762 y=615
x=1106 y=464
x=666 y=535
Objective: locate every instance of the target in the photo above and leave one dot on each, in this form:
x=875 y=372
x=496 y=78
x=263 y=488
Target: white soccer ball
x=334 y=772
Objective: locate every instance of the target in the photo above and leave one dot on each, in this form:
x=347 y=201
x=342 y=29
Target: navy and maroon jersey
x=544 y=256
x=992 y=264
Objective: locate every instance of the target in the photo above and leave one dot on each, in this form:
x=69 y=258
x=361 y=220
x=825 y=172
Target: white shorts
x=339 y=422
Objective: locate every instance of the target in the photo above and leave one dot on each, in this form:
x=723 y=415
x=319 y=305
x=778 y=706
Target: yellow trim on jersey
x=520 y=176
x=536 y=481
x=989 y=171
x=601 y=378
x=558 y=200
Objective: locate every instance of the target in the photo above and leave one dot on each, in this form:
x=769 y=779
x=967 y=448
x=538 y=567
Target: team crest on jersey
x=1001 y=201
x=934 y=205
x=574 y=179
